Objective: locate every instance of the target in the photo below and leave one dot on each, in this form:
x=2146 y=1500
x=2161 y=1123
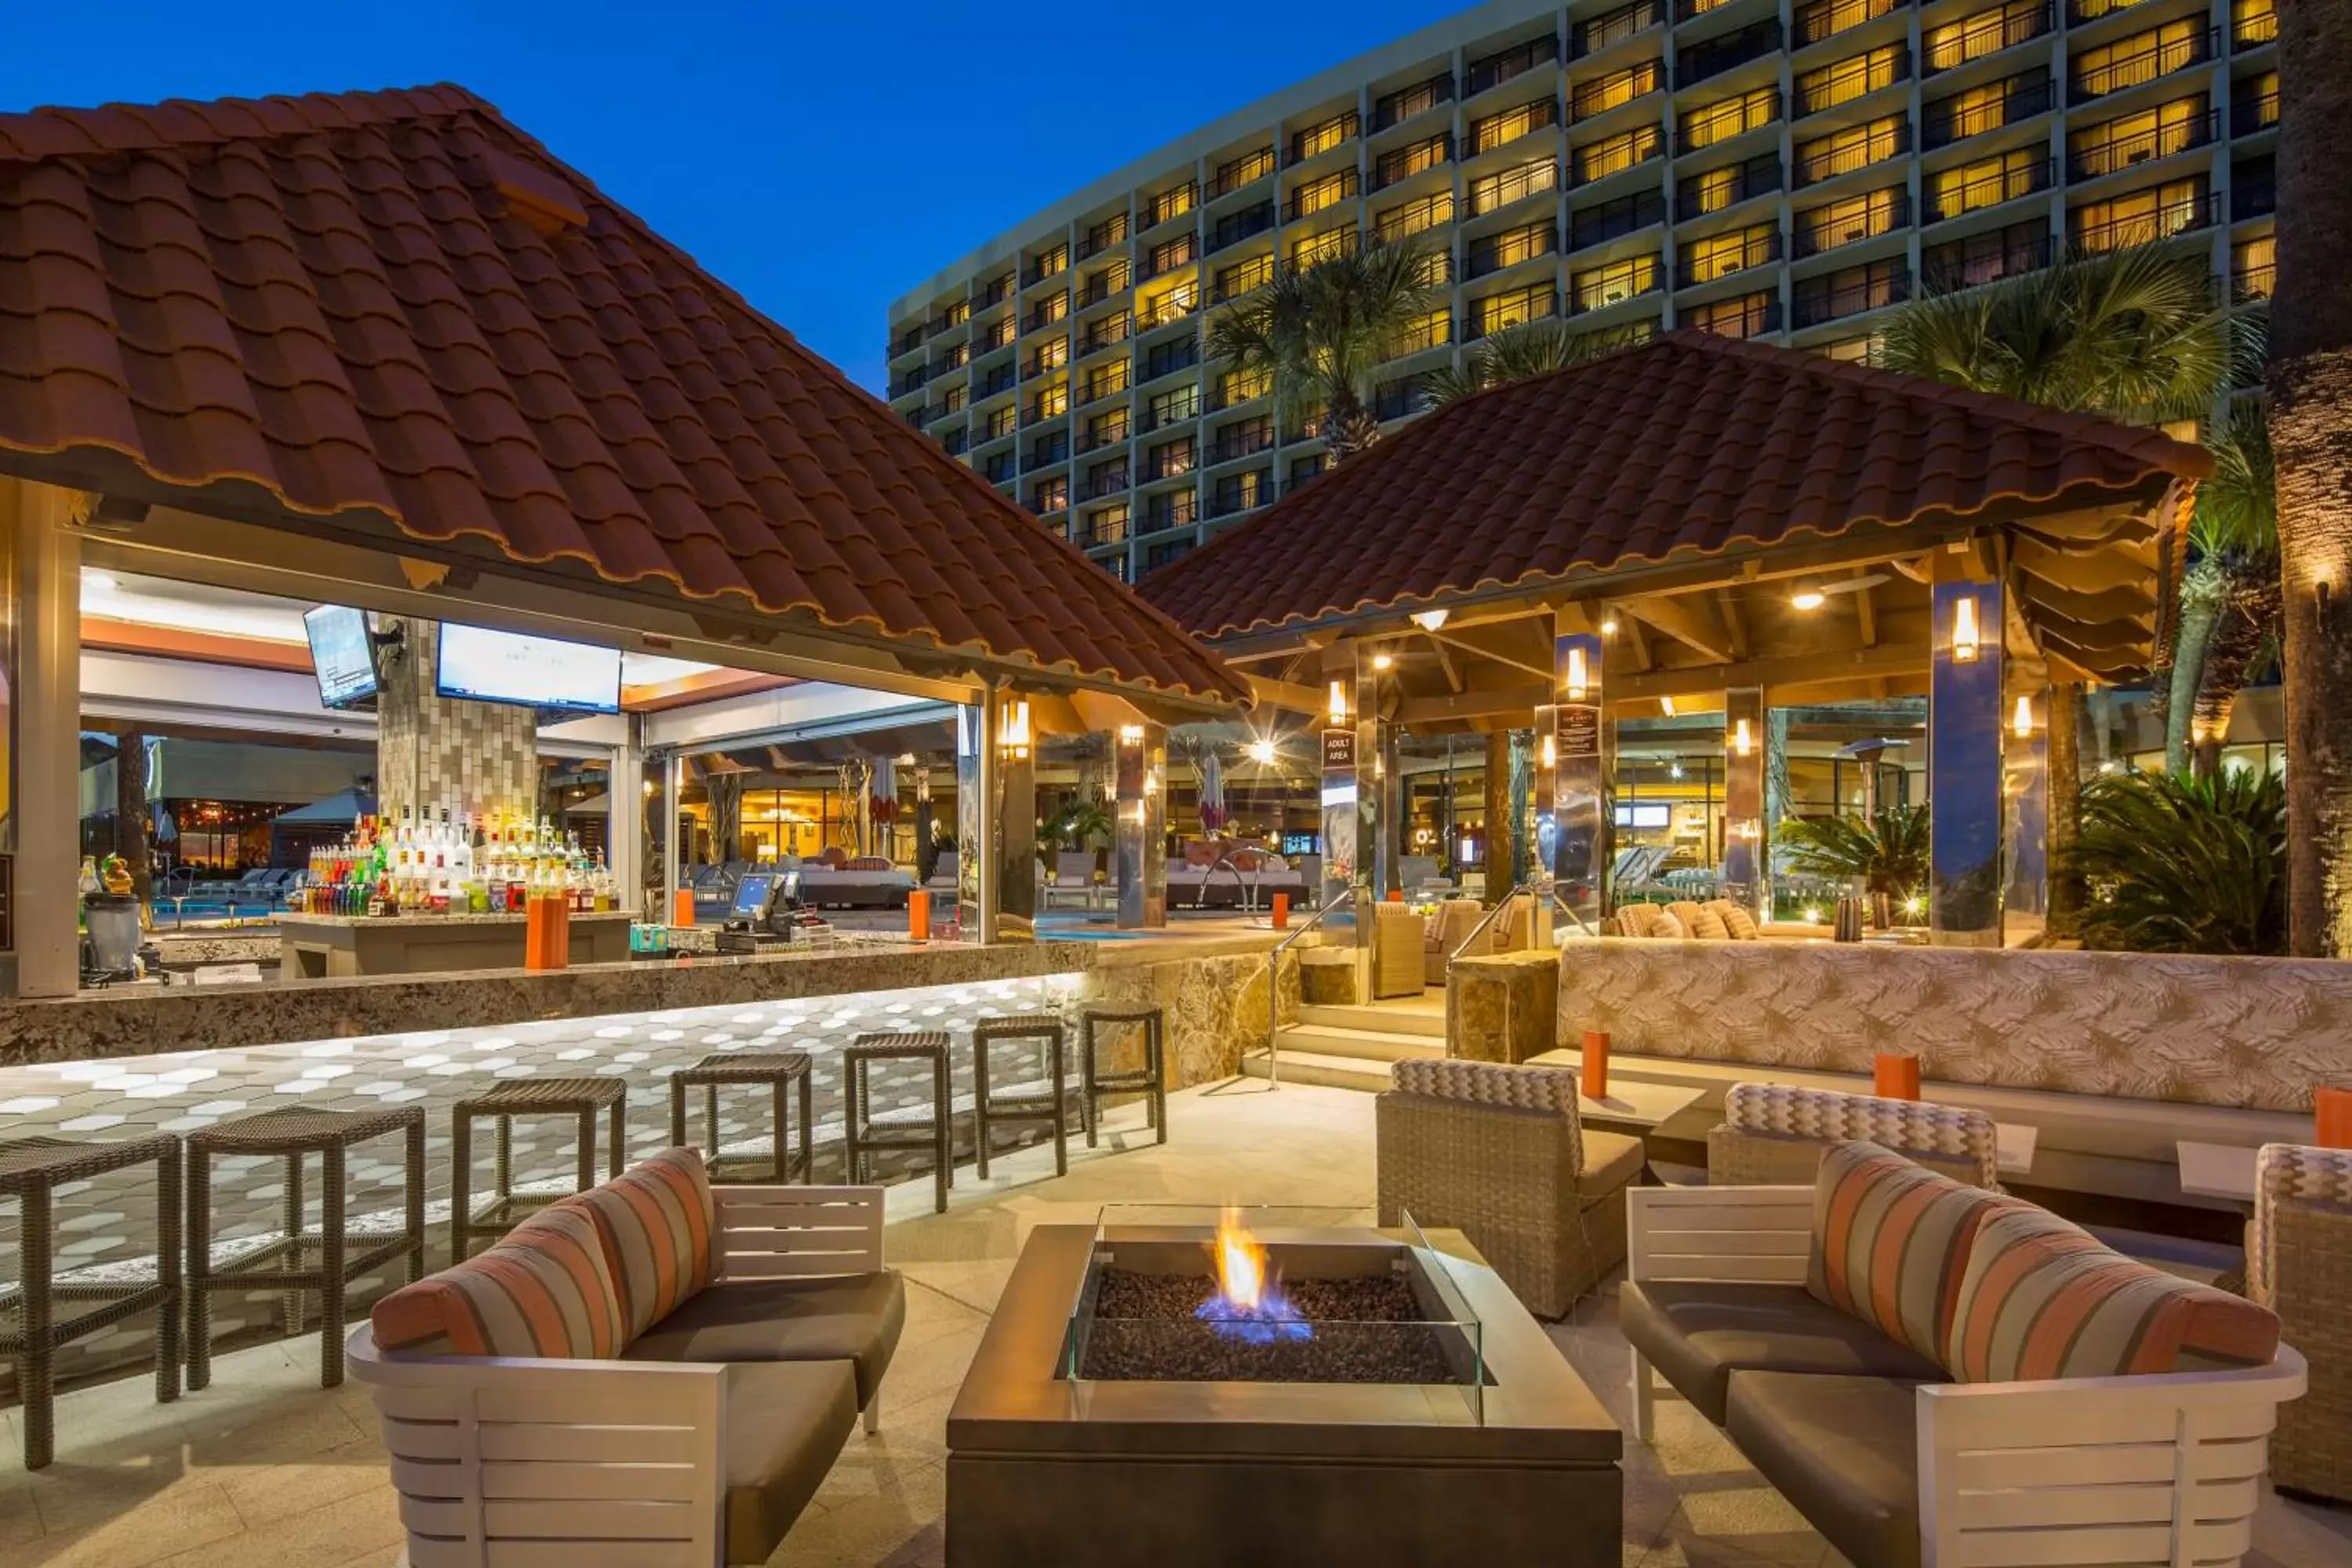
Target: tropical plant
x=2310 y=381
x=1517 y=353
x=2134 y=333
x=2185 y=863
x=2235 y=535
x=1321 y=332
x=1082 y=821
x=1888 y=852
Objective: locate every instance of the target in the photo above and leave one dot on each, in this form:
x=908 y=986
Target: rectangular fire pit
x=1151 y=1392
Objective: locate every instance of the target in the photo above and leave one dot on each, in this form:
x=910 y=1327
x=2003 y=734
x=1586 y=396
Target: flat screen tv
x=343 y=656
x=1298 y=843
x=484 y=666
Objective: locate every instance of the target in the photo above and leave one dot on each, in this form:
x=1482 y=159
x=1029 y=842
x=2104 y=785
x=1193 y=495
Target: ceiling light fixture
x=1430 y=620
x=1384 y=661
x=1607 y=625
x=1808 y=597
x=1261 y=752
x=1667 y=706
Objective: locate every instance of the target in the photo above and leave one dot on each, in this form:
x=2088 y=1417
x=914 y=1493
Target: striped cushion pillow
x=2042 y=1298
x=657 y=1220
x=543 y=1290
x=1891 y=1240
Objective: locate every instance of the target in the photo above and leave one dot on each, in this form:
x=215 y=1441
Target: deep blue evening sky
x=822 y=156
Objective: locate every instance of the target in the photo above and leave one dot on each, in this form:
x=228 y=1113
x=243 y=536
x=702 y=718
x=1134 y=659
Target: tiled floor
x=265 y=1469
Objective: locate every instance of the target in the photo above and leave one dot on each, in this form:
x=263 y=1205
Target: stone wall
x=1215 y=1006
x=2248 y=1033
x=433 y=752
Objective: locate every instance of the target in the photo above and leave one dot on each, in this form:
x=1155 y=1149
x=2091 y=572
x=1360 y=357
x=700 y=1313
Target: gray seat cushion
x=1698 y=1333
x=786 y=1422
x=1611 y=1162
x=1844 y=1451
x=856 y=1317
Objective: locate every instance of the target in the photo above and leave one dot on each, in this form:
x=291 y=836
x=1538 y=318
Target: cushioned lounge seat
x=1697 y=1333
x=1844 y=1451
x=1612 y=1159
x=786 y=1423
x=856 y=1317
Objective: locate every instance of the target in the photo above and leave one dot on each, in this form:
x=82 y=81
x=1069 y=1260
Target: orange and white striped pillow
x=1892 y=1240
x=2043 y=1298
x=544 y=1289
x=657 y=1219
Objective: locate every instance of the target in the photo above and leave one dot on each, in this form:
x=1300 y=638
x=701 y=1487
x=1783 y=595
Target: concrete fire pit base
x=1044 y=1470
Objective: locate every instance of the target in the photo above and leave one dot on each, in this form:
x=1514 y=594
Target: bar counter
x=143 y=1021
x=326 y=947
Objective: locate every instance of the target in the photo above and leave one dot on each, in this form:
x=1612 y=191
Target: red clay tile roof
x=1689 y=445
x=395 y=305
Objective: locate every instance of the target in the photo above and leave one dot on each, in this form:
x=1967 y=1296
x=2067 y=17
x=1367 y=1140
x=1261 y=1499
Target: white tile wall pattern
x=106 y=1227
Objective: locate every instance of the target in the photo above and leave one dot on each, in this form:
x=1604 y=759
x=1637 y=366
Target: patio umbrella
x=1212 y=790
x=884 y=807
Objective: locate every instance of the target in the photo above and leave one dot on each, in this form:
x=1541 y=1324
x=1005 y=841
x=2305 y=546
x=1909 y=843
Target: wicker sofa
x=656 y=1372
x=1500 y=1154
x=1774 y=1134
x=2299 y=1265
x=1934 y=1374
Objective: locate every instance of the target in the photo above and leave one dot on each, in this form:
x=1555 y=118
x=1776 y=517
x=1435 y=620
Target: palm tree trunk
x=2201 y=591
x=2248 y=615
x=1350 y=425
x=2310 y=380
x=2065 y=915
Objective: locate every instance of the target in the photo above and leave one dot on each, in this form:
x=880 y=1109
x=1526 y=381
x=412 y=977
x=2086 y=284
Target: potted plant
x=1887 y=854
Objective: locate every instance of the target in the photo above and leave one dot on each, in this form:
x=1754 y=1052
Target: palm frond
x=2182 y=864
x=1321 y=332
x=1888 y=852
x=2237 y=509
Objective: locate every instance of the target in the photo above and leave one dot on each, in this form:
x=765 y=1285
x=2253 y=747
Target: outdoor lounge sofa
x=1500 y=1152
x=1934 y=1374
x=1774 y=1134
x=653 y=1373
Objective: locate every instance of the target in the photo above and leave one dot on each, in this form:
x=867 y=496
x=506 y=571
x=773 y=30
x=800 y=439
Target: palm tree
x=2235 y=531
x=1517 y=353
x=2132 y=333
x=1887 y=855
x=2311 y=428
x=1320 y=332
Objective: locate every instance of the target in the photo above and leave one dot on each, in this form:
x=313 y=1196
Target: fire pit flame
x=1249 y=1303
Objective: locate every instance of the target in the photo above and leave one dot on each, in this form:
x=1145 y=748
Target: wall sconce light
x=1430 y=620
x=1130 y=734
x=1579 y=681
x=1384 y=661
x=1607 y=625
x=1338 y=703
x=1151 y=782
x=1550 y=753
x=1013 y=730
x=1743 y=739
x=2021 y=724
x=1667 y=706
x=1966 y=644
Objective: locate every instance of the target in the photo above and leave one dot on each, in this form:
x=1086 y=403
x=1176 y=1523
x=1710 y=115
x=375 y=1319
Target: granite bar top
x=139 y=1022
x=292 y=921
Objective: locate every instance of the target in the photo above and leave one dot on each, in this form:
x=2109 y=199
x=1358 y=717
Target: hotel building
x=1784 y=169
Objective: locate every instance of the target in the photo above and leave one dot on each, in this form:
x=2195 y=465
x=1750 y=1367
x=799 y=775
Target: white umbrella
x=1212 y=790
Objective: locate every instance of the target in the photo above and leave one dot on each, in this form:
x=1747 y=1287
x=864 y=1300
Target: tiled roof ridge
x=55 y=132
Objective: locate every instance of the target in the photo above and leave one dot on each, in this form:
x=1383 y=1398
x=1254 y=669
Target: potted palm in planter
x=1083 y=823
x=1887 y=854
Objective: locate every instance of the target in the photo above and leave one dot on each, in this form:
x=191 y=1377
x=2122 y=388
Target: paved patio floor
x=265 y=1469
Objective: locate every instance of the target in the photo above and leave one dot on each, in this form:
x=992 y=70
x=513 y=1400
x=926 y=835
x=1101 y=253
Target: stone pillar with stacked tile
x=1139 y=824
x=1964 y=735
x=1745 y=852
x=437 y=754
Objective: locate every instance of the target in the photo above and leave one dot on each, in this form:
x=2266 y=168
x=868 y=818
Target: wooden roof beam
x=1687 y=619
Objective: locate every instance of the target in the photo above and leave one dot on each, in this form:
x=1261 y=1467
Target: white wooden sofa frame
x=2156 y=1468
x=523 y=1462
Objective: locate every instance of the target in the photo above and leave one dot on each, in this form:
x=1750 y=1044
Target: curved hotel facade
x=1785 y=169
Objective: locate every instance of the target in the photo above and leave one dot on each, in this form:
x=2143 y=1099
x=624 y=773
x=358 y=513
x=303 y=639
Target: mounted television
x=1298 y=843
x=1645 y=814
x=343 y=656
x=482 y=666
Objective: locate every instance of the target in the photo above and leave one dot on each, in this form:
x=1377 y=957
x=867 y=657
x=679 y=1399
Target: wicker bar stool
x=780 y=1071
x=860 y=1136
x=576 y=1097
x=1150 y=1079
x=1051 y=1107
x=292 y=1134
x=31 y=1170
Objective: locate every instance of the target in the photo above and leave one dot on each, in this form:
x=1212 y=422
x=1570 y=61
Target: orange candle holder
x=1396 y=895
x=681 y=907
x=547 y=933
x=1895 y=1075
x=1281 y=911
x=1595 y=1056
x=2331 y=1116
x=919 y=916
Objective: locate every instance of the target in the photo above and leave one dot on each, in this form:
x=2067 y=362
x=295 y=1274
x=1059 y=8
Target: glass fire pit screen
x=1186 y=1294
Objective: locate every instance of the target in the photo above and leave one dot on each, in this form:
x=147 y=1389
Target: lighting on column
x=1013 y=730
x=2021 y=724
x=1130 y=734
x=1607 y=625
x=1430 y=620
x=1384 y=661
x=1338 y=703
x=1743 y=739
x=1966 y=642
x=1551 y=753
x=1579 y=681
x=1667 y=706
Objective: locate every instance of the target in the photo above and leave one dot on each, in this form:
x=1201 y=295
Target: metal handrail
x=1245 y=881
x=1274 y=981
x=1528 y=886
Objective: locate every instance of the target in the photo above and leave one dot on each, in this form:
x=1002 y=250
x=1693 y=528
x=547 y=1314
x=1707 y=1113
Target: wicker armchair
x=1397 y=935
x=1773 y=1135
x=1448 y=930
x=1499 y=1152
x=2299 y=1265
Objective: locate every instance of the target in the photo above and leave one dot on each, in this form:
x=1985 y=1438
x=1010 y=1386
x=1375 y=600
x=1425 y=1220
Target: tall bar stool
x=1149 y=1080
x=576 y=1097
x=861 y=1136
x=780 y=1071
x=31 y=1169
x=291 y=1134
x=1051 y=1107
